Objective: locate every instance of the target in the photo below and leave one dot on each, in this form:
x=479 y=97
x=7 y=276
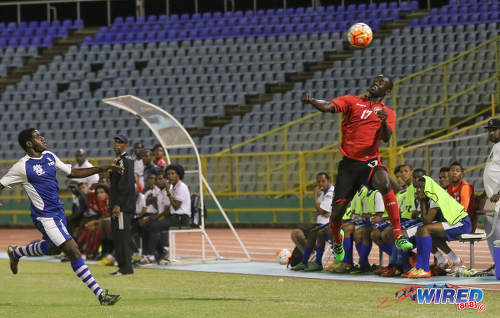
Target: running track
x=262 y=244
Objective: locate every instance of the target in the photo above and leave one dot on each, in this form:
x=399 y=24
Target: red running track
x=262 y=244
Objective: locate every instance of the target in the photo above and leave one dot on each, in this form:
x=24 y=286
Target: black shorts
x=352 y=174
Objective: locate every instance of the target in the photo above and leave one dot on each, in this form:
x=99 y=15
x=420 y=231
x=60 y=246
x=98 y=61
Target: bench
x=472 y=238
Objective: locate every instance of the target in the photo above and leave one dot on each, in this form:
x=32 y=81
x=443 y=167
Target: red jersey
x=360 y=127
x=464 y=194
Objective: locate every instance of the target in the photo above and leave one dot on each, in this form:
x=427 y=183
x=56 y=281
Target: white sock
x=454 y=258
x=441 y=258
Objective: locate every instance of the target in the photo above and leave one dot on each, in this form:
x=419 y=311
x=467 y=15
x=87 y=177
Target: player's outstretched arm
x=321 y=105
x=85 y=172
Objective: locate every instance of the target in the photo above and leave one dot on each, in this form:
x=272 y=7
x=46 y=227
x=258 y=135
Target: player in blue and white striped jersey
x=36 y=172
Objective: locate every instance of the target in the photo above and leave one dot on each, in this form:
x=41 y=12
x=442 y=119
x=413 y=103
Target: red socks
x=391 y=206
x=335 y=228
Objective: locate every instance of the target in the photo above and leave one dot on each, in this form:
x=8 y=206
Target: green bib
x=452 y=211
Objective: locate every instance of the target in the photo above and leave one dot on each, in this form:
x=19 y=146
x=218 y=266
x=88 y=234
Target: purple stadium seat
x=393 y=5
x=330 y=9
x=118 y=21
x=299 y=11
x=24 y=42
x=290 y=11
x=351 y=8
x=140 y=20
x=162 y=18
x=217 y=15
x=260 y=13
x=280 y=11
x=11 y=26
x=206 y=16
x=129 y=20
x=228 y=14
x=196 y=17
x=47 y=42
x=173 y=18
x=382 y=6
x=238 y=14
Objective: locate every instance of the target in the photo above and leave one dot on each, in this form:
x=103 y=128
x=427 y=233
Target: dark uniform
x=122 y=193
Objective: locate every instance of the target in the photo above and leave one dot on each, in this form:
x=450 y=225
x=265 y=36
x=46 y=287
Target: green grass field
x=52 y=290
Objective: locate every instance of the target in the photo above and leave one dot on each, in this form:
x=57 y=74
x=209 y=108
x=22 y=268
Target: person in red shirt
x=462 y=191
x=367 y=121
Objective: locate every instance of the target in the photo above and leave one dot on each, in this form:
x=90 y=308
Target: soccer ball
x=283 y=255
x=360 y=35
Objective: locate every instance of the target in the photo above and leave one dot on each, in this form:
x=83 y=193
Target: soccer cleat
x=338 y=267
x=358 y=269
x=338 y=249
x=299 y=267
x=419 y=273
x=405 y=275
x=313 y=268
x=403 y=244
x=391 y=272
x=108 y=299
x=455 y=270
x=14 y=260
x=380 y=270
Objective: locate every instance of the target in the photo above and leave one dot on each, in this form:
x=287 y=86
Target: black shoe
x=118 y=273
x=14 y=260
x=108 y=299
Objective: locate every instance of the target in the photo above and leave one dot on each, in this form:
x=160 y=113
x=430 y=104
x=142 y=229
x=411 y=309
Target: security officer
x=122 y=205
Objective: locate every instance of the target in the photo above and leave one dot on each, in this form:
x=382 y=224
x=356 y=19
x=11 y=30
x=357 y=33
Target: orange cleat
x=419 y=273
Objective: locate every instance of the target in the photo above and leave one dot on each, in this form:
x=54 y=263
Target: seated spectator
x=323 y=193
x=177 y=211
x=82 y=162
x=443 y=218
x=158 y=156
x=462 y=191
x=444 y=178
x=95 y=230
x=308 y=238
x=149 y=167
x=139 y=166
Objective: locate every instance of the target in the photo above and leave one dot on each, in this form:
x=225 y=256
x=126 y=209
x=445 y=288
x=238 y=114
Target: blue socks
x=348 y=251
x=363 y=252
x=33 y=249
x=385 y=248
x=424 y=248
x=319 y=255
x=307 y=254
x=82 y=271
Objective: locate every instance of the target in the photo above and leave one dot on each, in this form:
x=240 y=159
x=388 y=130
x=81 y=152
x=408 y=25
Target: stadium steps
x=310 y=68
x=454 y=120
x=31 y=65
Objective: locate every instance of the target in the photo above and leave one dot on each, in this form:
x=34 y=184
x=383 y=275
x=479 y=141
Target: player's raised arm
x=321 y=105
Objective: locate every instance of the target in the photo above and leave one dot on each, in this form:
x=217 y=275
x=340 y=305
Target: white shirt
x=163 y=200
x=325 y=199
x=491 y=174
x=181 y=193
x=140 y=203
x=379 y=204
x=139 y=170
x=90 y=180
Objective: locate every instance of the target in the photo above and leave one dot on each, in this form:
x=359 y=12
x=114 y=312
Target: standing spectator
x=179 y=211
x=159 y=153
x=149 y=166
x=82 y=162
x=462 y=191
x=444 y=177
x=491 y=180
x=122 y=205
x=139 y=165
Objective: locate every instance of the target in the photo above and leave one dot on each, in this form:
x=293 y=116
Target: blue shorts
x=464 y=226
x=53 y=229
x=411 y=226
x=382 y=225
x=359 y=222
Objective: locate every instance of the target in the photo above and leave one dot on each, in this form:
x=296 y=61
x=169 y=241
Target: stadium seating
x=192 y=72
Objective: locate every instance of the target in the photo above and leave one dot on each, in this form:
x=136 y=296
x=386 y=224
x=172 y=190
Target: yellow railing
x=290 y=172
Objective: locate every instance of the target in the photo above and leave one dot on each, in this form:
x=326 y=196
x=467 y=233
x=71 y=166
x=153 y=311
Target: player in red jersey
x=462 y=191
x=366 y=122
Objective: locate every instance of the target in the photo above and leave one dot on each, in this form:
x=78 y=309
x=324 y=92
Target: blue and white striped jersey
x=38 y=177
